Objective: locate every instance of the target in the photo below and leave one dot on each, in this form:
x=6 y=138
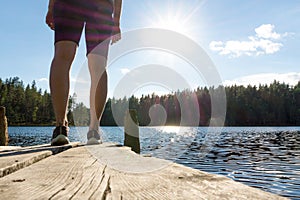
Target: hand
x=49 y=19
x=116 y=34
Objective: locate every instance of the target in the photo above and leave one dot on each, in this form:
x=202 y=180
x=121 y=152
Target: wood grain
x=10 y=164
x=94 y=172
x=13 y=159
x=3 y=127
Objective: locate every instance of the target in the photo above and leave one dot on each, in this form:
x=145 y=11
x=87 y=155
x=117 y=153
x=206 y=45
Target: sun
x=175 y=19
x=173 y=23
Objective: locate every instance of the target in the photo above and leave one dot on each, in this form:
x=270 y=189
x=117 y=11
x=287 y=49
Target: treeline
x=25 y=105
x=275 y=105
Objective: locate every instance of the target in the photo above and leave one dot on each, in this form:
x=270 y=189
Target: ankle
x=96 y=128
x=64 y=123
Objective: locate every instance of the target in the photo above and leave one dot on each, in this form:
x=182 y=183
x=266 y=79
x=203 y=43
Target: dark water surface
x=264 y=157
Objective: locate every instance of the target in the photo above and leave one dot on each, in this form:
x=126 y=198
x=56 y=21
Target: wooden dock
x=108 y=171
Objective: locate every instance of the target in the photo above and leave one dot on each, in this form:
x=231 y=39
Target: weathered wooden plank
x=110 y=172
x=136 y=177
x=44 y=147
x=13 y=159
x=3 y=127
x=9 y=148
x=71 y=174
x=10 y=164
x=123 y=159
x=131 y=131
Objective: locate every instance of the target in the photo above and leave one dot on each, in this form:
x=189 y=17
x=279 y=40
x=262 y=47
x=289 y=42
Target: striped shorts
x=94 y=16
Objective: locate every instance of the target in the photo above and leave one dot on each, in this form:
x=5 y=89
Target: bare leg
x=60 y=80
x=98 y=90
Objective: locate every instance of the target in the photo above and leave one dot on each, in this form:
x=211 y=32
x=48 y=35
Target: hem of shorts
x=77 y=43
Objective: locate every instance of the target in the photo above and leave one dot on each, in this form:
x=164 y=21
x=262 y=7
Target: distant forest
x=277 y=104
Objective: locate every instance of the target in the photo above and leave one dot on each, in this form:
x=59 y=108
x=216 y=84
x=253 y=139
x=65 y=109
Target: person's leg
x=68 y=26
x=59 y=79
x=98 y=30
x=98 y=89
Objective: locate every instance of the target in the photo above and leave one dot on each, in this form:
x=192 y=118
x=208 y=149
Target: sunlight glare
x=171 y=129
x=173 y=23
x=176 y=18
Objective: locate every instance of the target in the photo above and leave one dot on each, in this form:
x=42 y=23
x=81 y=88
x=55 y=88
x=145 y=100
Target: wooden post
x=131 y=129
x=3 y=127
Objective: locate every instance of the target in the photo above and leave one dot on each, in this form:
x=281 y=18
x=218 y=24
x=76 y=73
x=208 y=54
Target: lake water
x=264 y=157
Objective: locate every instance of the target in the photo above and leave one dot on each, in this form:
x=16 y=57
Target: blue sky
x=250 y=41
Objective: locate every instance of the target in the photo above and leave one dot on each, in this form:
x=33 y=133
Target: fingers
x=116 y=34
x=51 y=25
x=49 y=20
x=115 y=38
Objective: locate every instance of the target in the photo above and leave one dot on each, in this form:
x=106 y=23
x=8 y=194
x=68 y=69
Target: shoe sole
x=92 y=141
x=60 y=140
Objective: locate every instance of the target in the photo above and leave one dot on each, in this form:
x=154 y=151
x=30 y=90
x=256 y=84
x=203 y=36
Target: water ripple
x=264 y=157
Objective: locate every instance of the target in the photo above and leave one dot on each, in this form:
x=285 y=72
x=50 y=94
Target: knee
x=65 y=51
x=64 y=56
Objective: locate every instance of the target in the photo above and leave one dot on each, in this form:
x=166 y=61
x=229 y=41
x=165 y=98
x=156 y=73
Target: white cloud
x=216 y=46
x=43 y=83
x=264 y=42
x=291 y=78
x=267 y=31
x=43 y=80
x=124 y=70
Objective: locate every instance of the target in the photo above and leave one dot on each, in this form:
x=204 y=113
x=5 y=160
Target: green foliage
x=25 y=105
x=274 y=105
